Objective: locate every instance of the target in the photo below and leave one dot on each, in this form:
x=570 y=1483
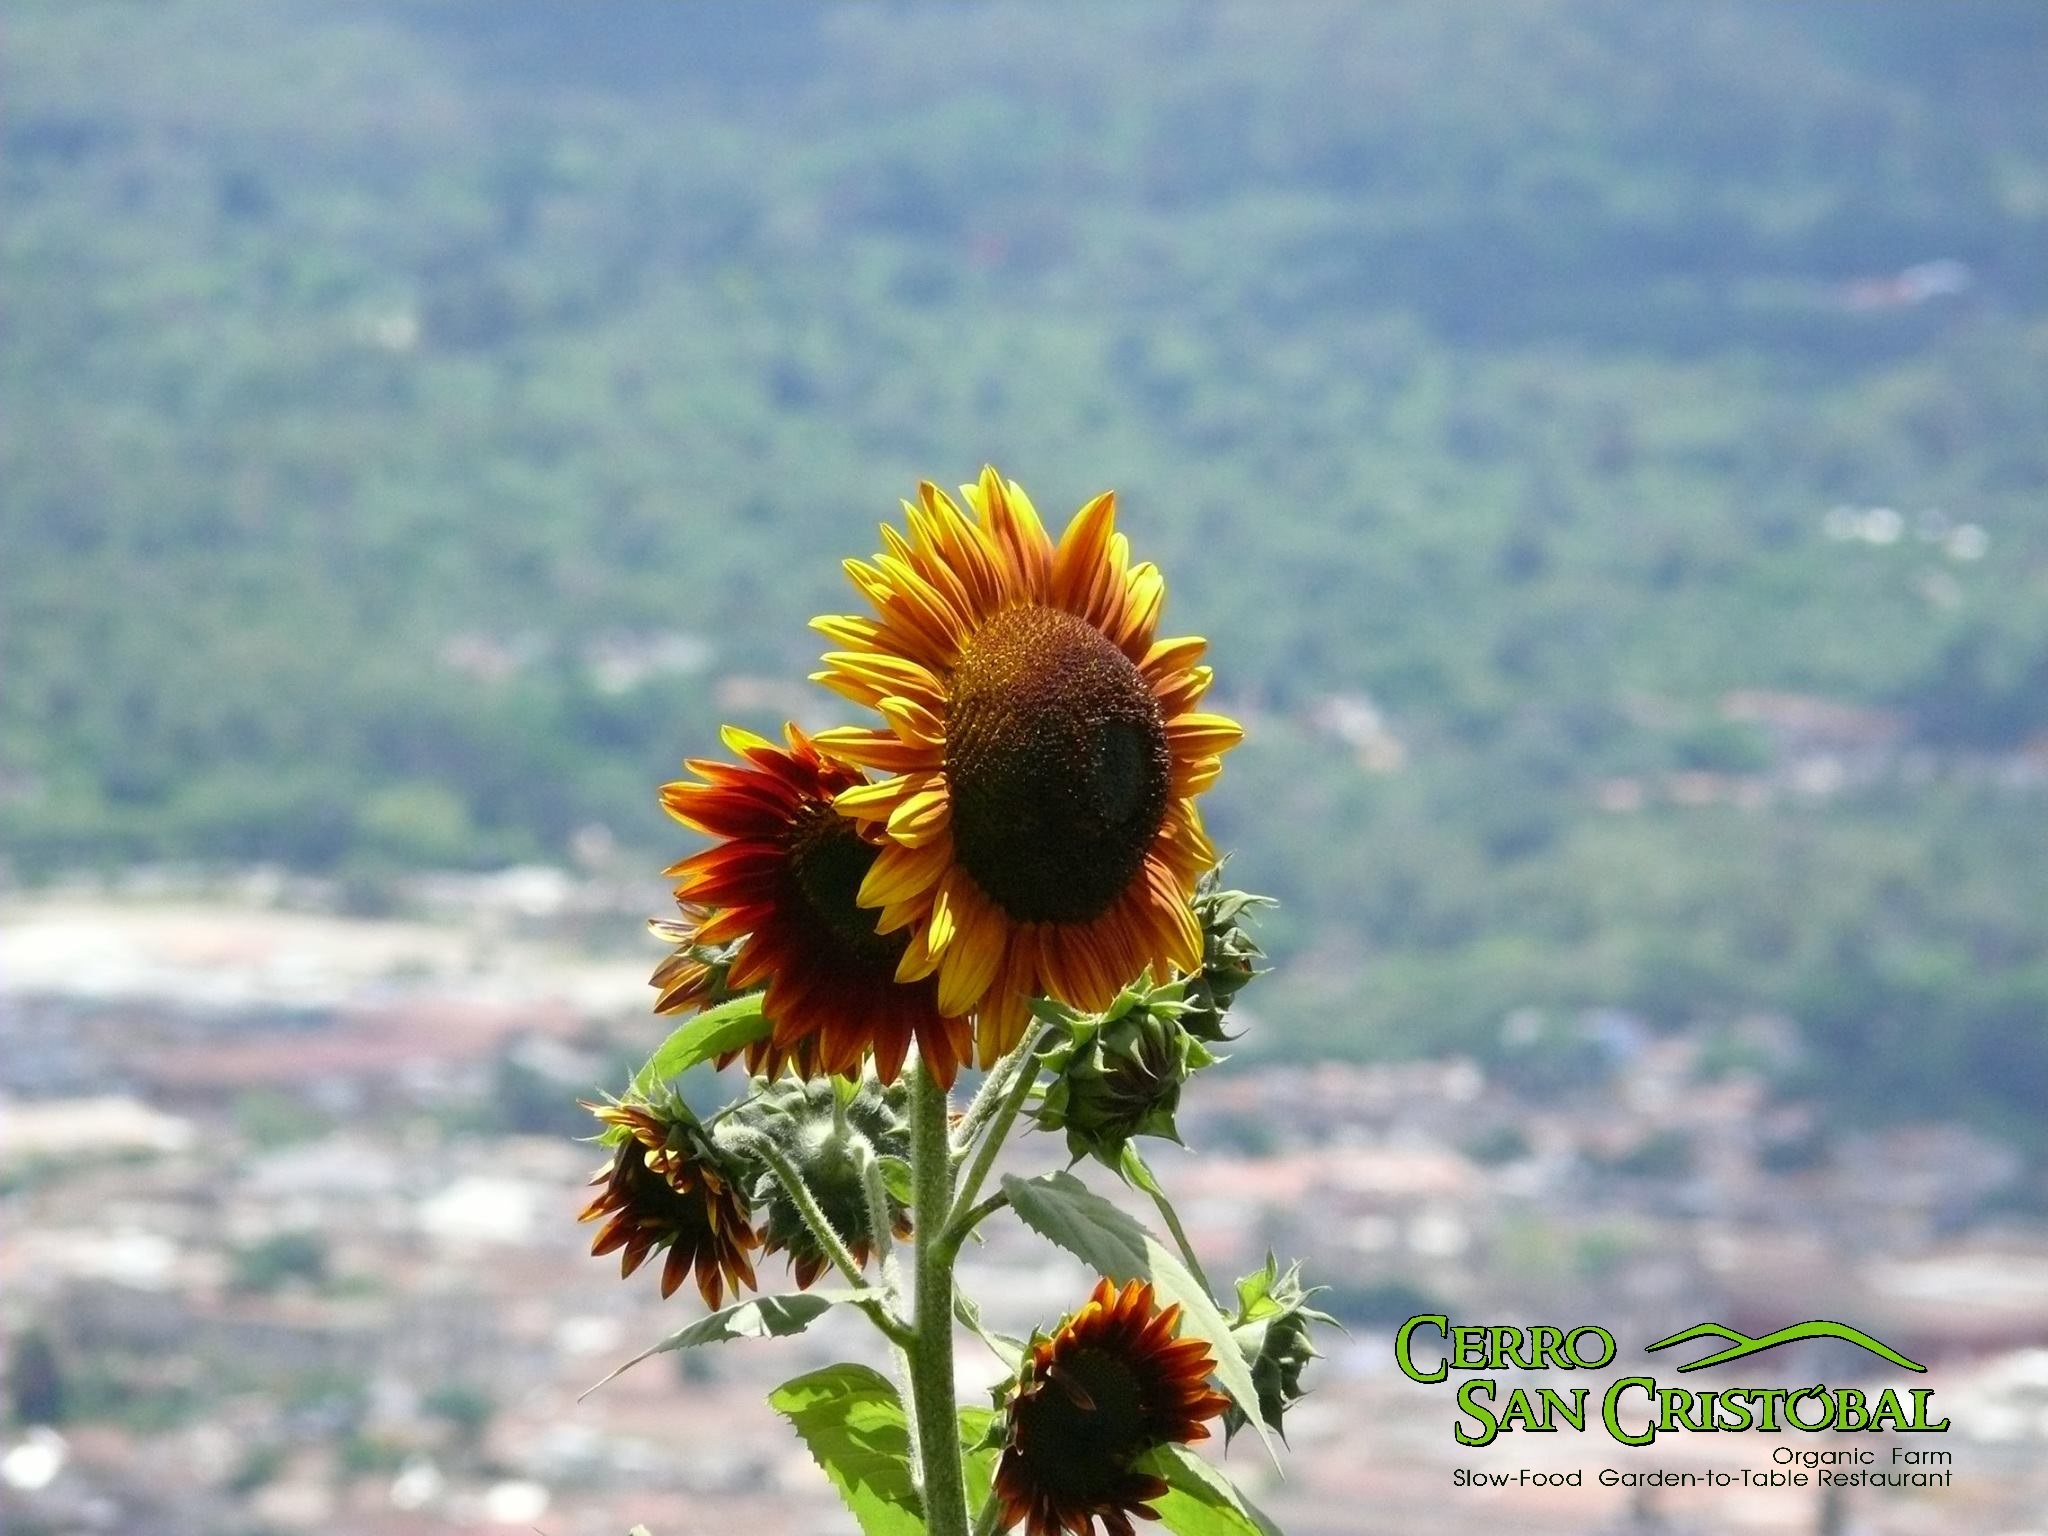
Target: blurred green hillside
x=1605 y=443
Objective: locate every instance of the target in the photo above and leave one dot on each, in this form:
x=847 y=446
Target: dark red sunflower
x=667 y=1188
x=782 y=880
x=1113 y=1382
x=696 y=976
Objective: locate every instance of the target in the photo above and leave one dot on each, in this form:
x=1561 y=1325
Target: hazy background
x=1604 y=444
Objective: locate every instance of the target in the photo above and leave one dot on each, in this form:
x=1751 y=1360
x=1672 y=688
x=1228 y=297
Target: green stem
x=878 y=1217
x=1024 y=1062
x=1180 y=1238
x=792 y=1182
x=994 y=1085
x=1139 y=1172
x=934 y=1410
x=991 y=1512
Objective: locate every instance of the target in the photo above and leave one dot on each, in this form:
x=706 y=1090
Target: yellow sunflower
x=781 y=879
x=1045 y=751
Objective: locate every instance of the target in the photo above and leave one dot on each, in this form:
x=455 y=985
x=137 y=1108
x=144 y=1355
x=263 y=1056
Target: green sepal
x=1274 y=1331
x=826 y=1138
x=1118 y=1074
x=1230 y=955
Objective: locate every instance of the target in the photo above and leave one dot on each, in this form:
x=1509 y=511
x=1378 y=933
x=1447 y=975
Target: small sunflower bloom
x=667 y=1187
x=1044 y=748
x=780 y=881
x=1112 y=1383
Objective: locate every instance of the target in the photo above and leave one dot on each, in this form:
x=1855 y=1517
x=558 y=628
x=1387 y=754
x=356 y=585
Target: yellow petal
x=873 y=802
x=912 y=722
x=1078 y=560
x=900 y=873
x=1203 y=735
x=921 y=818
x=1173 y=655
x=971 y=960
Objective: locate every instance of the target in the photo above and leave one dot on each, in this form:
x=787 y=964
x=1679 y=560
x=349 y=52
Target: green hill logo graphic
x=1741 y=1345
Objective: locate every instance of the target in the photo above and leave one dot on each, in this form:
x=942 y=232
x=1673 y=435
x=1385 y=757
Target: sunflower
x=697 y=975
x=1045 y=753
x=1113 y=1383
x=665 y=1187
x=781 y=880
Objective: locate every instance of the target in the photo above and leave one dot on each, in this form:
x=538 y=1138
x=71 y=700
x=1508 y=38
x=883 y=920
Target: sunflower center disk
x=830 y=860
x=1080 y=1428
x=1057 y=765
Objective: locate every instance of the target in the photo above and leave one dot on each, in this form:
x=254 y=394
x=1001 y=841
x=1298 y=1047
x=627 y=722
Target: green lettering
x=1610 y=1410
x=1573 y=1412
x=1735 y=1401
x=1920 y=1400
x=1850 y=1414
x=1578 y=1357
x=1470 y=1395
x=1887 y=1408
x=1437 y=1320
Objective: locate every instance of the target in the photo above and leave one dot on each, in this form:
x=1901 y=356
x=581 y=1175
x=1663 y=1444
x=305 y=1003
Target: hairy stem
x=994 y=1085
x=878 y=1217
x=1023 y=1061
x=934 y=1411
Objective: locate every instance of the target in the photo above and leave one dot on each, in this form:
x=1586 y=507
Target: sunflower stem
x=987 y=1097
x=934 y=1411
x=879 y=1221
x=991 y=1512
x=1023 y=1062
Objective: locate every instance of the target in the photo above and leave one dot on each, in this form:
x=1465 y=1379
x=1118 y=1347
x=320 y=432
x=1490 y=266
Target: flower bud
x=798 y=1117
x=1118 y=1074
x=1229 y=955
x=1272 y=1330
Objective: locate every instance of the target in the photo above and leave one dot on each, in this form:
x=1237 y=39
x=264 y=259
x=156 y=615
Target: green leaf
x=853 y=1423
x=1065 y=1212
x=1005 y=1348
x=896 y=1179
x=764 y=1317
x=730 y=1026
x=1200 y=1500
x=979 y=1448
x=851 y=1420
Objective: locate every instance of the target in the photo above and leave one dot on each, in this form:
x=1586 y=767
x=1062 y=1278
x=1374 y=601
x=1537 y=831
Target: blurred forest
x=1603 y=441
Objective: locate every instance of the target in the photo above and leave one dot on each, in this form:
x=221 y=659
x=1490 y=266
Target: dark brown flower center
x=1078 y=1429
x=654 y=1198
x=829 y=860
x=1057 y=765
